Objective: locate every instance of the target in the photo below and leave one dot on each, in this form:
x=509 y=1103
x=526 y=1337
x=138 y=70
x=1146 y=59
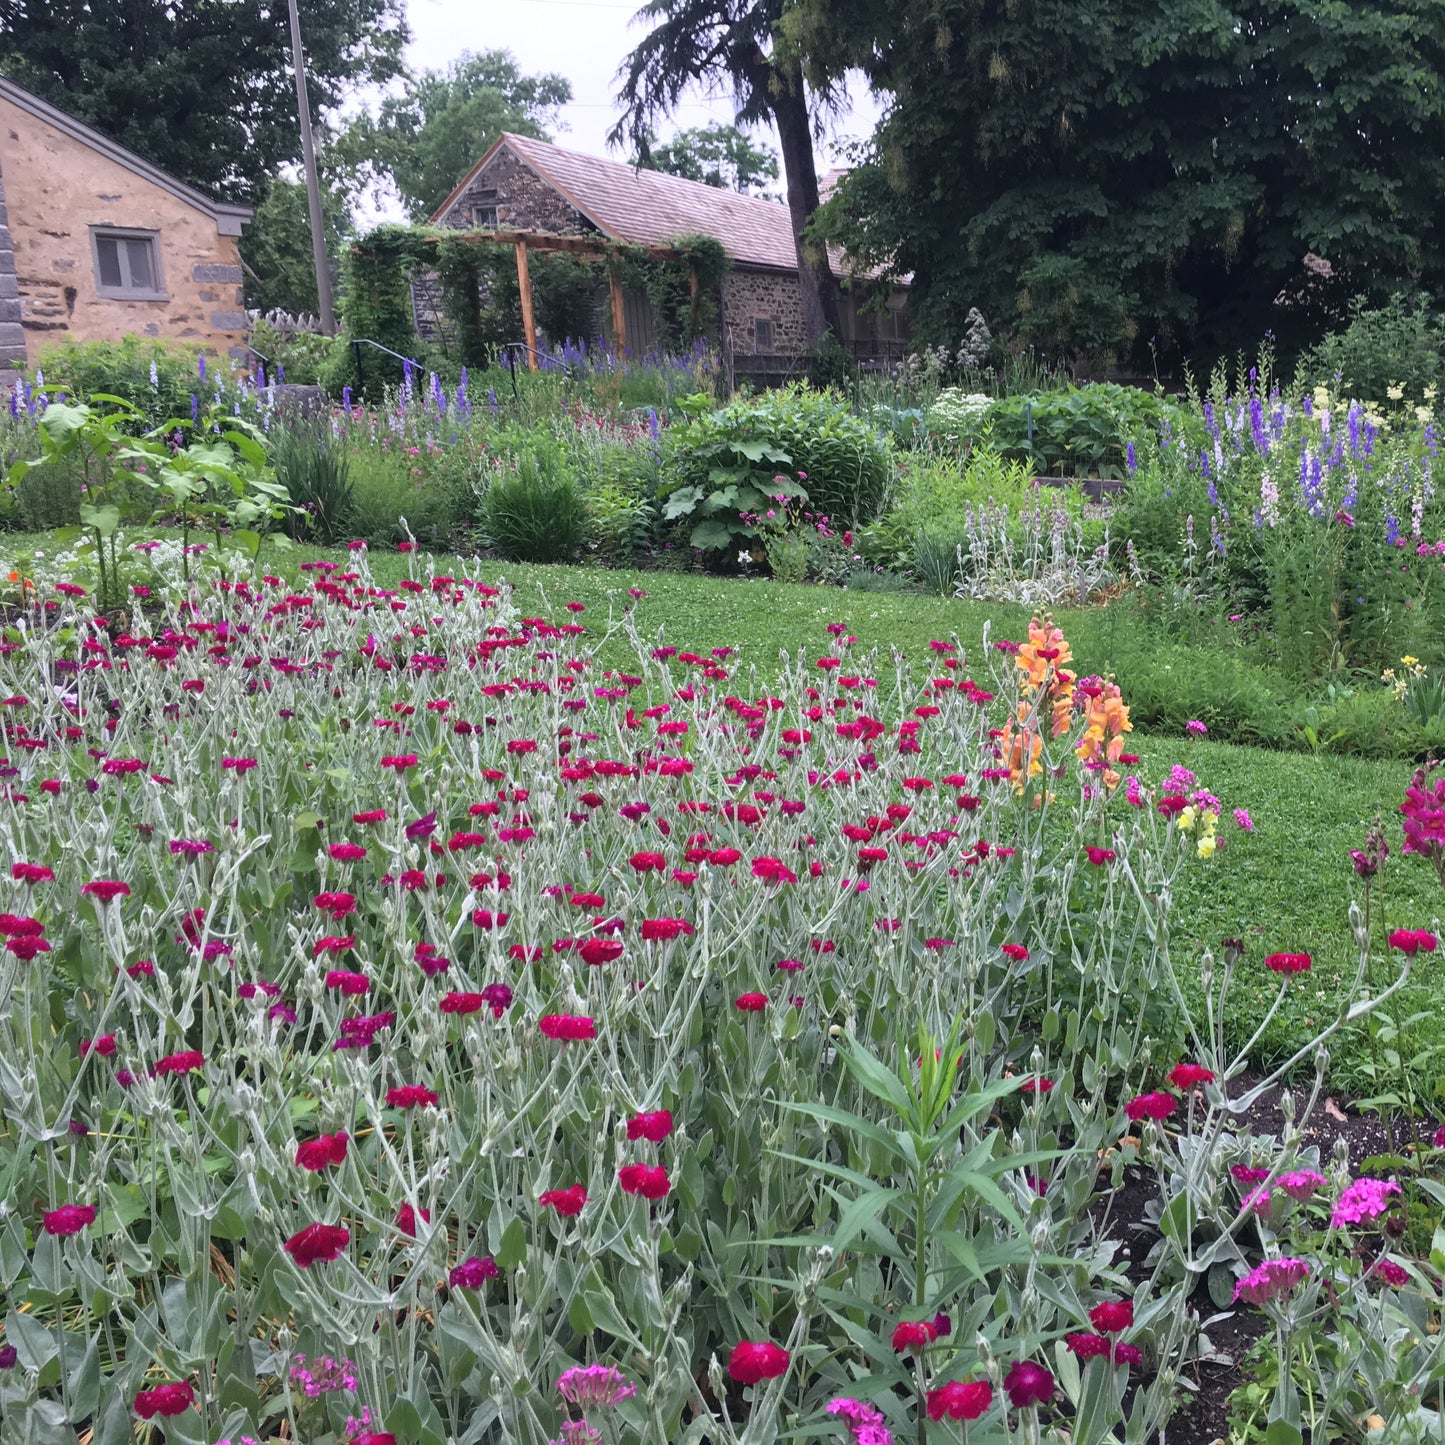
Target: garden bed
x=417 y=1004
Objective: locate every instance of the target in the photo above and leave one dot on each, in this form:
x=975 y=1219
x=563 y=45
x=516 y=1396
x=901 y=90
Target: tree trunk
x=815 y=277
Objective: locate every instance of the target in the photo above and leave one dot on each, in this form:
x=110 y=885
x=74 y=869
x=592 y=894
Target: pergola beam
x=548 y=241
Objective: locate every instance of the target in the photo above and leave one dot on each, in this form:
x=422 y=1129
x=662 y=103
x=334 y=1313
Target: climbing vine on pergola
x=681 y=281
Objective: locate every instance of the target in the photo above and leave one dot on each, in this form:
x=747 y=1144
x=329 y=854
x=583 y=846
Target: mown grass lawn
x=1287 y=886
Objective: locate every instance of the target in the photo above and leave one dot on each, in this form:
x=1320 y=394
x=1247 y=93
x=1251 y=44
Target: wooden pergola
x=598 y=248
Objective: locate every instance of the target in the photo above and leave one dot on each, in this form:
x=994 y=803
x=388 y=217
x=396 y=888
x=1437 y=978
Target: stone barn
x=526 y=185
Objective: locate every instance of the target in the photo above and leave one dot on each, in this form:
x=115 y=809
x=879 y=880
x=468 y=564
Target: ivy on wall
x=376 y=305
x=680 y=314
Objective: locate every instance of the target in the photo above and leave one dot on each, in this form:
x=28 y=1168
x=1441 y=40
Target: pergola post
x=524 y=288
x=619 y=313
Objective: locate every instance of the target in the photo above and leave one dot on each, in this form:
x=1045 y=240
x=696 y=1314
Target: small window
x=127 y=265
x=484 y=218
x=762 y=335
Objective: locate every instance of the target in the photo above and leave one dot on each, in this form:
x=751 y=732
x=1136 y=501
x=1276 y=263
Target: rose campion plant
x=508 y=1086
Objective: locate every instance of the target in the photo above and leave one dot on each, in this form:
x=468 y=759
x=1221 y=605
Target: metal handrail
x=357 y=342
x=366 y=341
x=551 y=361
x=532 y=350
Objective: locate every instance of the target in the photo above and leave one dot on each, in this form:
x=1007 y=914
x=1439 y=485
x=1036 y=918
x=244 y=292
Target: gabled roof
x=650 y=208
x=228 y=218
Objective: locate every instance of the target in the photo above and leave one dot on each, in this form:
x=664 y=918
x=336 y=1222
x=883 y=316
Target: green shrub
x=1398 y=344
x=533 y=510
x=724 y=462
x=1083 y=432
x=387 y=485
x=48 y=496
x=316 y=472
x=124 y=369
x=1367 y=722
x=880 y=580
x=300 y=358
x=936 y=559
x=619 y=525
x=935 y=490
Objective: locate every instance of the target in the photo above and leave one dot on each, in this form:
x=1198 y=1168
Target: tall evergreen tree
x=734 y=42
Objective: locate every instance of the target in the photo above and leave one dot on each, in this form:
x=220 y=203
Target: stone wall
x=522 y=200
x=12 y=333
x=56 y=189
x=750 y=296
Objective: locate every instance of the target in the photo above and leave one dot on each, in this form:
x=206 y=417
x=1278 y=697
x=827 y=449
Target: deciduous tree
x=428 y=137
x=716 y=155
x=201 y=88
x=1098 y=173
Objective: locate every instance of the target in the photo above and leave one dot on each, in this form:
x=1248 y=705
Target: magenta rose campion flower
x=752 y=1361
x=1272 y=1280
x=68 y=1219
x=1363 y=1202
x=317 y=1243
x=473 y=1273
x=1028 y=1384
x=165 y=1400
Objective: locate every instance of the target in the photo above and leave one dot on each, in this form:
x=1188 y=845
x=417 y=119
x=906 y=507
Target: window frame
x=127 y=293
x=761 y=348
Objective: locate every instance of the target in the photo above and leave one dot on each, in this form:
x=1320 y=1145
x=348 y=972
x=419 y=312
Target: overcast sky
x=586 y=41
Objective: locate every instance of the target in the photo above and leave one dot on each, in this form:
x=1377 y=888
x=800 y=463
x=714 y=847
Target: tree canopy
x=202 y=88
x=1100 y=174
x=717 y=155
x=276 y=246
x=431 y=134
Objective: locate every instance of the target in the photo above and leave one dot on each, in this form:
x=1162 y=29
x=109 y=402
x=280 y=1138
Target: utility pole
x=313 y=182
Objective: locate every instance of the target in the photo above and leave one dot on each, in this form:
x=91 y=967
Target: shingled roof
x=651 y=208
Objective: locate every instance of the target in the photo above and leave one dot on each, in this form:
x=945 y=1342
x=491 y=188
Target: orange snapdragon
x=1046 y=682
x=1107 y=720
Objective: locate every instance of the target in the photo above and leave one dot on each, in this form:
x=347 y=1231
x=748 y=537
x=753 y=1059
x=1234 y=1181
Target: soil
x=1203 y=1418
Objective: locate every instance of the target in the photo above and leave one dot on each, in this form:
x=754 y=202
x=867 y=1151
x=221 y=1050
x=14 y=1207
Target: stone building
x=522 y=184
x=97 y=244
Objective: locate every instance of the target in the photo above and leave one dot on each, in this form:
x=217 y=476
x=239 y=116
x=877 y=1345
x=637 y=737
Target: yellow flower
x=1409 y=661
x=1186 y=818
x=1207 y=846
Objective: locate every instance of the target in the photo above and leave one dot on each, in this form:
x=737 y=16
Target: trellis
x=587 y=246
